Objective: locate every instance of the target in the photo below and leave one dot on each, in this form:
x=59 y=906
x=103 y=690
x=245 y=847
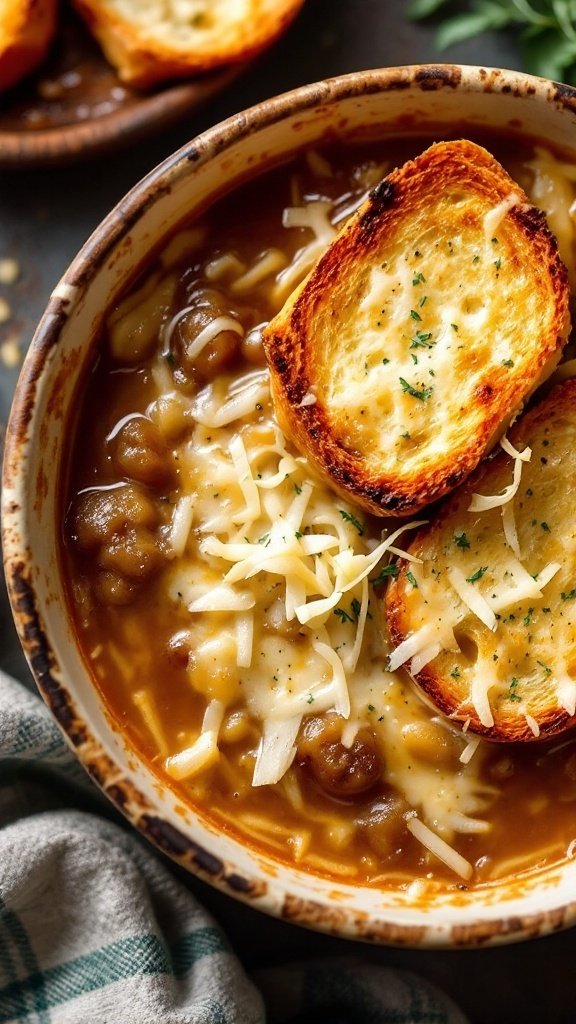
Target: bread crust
x=27 y=28
x=144 y=58
x=354 y=358
x=529 y=661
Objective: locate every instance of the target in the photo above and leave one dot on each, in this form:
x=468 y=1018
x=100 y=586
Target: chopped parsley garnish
x=415 y=314
x=476 y=259
x=421 y=394
x=422 y=301
x=422 y=340
x=454 y=327
x=264 y=539
x=349 y=518
x=477 y=575
x=461 y=540
x=507 y=362
x=343 y=615
x=545 y=527
x=527 y=620
x=512 y=695
x=412 y=579
x=298 y=535
x=170 y=359
x=385 y=573
x=455 y=673
x=419 y=279
x=569 y=596
x=385 y=362
x=498 y=263
x=371 y=707
x=406 y=435
x=547 y=670
x=297 y=488
x=310 y=699
x=356 y=608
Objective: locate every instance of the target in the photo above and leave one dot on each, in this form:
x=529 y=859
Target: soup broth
x=230 y=606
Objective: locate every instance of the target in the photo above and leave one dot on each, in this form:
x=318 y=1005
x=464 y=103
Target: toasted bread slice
x=421 y=331
x=165 y=39
x=510 y=673
x=27 y=28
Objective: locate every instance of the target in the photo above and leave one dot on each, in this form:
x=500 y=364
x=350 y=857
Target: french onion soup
x=230 y=604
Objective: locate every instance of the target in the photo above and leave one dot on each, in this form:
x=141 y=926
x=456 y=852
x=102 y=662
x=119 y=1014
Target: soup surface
x=229 y=605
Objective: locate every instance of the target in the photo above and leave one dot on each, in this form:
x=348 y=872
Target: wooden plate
x=76 y=105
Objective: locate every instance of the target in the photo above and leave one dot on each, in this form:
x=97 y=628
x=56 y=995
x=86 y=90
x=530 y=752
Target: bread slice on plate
x=165 y=39
x=27 y=28
x=400 y=360
x=486 y=621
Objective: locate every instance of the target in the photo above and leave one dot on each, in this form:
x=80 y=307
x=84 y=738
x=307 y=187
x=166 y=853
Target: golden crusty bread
x=526 y=665
x=164 y=39
x=420 y=332
x=27 y=28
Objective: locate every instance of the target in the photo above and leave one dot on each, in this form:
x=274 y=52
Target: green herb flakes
x=343 y=615
x=422 y=340
x=387 y=572
x=477 y=575
x=349 y=518
x=512 y=694
x=421 y=393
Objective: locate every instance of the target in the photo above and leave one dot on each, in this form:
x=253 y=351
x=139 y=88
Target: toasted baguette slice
x=517 y=679
x=27 y=28
x=420 y=332
x=164 y=39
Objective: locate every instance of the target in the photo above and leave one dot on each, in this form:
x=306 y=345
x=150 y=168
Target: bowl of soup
x=173 y=561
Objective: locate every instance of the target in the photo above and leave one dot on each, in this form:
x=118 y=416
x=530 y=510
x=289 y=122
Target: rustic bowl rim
x=342 y=921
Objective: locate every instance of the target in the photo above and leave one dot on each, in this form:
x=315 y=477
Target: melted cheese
x=495 y=216
x=273 y=554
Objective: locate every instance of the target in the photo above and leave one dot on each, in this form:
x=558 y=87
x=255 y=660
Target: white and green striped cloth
x=94 y=928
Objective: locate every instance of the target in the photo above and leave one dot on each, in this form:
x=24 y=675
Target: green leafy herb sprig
x=546 y=29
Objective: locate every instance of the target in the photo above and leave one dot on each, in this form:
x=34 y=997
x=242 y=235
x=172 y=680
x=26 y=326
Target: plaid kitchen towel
x=94 y=928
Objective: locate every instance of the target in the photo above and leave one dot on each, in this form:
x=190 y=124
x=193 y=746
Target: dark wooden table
x=45 y=216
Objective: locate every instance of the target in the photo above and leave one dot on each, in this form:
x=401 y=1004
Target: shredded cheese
x=177 y=535
x=203 y=752
x=315 y=217
x=481 y=684
x=469 y=750
x=482 y=502
x=251 y=389
x=439 y=848
x=472 y=598
x=532 y=725
x=269 y=263
x=276 y=751
x=495 y=216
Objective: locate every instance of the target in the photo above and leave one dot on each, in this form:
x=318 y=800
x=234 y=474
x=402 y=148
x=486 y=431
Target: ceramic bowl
x=423 y=99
